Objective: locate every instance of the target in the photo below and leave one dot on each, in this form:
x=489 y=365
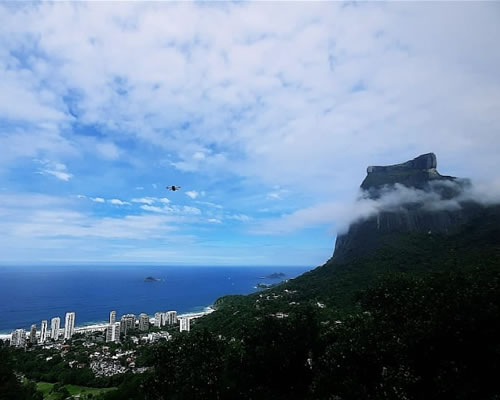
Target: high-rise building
x=113 y=332
x=117 y=331
x=112 y=317
x=69 y=325
x=55 y=326
x=109 y=333
x=18 y=338
x=143 y=322
x=33 y=334
x=171 y=318
x=127 y=322
x=43 y=331
x=159 y=317
x=185 y=324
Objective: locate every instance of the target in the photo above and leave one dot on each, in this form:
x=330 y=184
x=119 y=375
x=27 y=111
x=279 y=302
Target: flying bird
x=173 y=188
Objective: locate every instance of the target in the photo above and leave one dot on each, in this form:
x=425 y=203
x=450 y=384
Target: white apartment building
x=33 y=334
x=159 y=318
x=171 y=317
x=143 y=322
x=185 y=324
x=113 y=332
x=127 y=323
x=69 y=325
x=18 y=338
x=55 y=326
x=43 y=331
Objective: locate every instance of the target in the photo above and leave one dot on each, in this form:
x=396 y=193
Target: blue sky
x=267 y=115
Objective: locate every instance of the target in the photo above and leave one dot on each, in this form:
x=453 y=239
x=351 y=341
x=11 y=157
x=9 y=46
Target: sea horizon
x=31 y=293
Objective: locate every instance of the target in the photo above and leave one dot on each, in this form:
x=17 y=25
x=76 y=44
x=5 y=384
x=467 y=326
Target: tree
x=434 y=337
x=10 y=385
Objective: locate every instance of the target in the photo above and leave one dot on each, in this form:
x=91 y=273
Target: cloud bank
x=397 y=198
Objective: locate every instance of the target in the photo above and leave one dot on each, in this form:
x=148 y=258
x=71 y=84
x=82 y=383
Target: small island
x=275 y=275
x=151 y=279
x=264 y=285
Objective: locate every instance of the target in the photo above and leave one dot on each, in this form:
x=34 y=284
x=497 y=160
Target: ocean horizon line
x=146 y=263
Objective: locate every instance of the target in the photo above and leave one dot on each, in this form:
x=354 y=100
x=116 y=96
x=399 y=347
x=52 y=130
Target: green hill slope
x=336 y=285
x=423 y=222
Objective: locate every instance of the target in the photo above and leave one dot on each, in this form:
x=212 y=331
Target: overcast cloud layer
x=266 y=114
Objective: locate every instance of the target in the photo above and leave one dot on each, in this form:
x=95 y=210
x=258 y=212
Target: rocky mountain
x=411 y=197
x=418 y=173
x=424 y=223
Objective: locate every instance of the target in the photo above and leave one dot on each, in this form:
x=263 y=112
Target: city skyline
x=112 y=328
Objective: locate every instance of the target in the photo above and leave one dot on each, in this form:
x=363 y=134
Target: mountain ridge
x=409 y=239
x=415 y=173
x=428 y=202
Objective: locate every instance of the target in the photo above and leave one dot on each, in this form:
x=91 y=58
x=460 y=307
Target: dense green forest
x=11 y=387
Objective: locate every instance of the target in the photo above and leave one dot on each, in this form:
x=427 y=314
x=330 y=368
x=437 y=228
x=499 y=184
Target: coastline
x=101 y=325
x=93 y=291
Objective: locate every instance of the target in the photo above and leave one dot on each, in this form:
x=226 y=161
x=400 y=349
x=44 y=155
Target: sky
x=265 y=113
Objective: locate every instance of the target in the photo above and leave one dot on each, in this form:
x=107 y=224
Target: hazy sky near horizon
x=267 y=114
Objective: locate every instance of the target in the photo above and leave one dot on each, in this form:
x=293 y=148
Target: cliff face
x=416 y=173
x=431 y=205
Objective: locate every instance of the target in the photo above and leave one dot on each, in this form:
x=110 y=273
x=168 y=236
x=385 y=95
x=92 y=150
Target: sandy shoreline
x=102 y=325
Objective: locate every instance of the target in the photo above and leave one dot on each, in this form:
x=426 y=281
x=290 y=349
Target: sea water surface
x=30 y=294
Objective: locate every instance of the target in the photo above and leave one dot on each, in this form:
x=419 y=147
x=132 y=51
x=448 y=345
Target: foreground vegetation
x=55 y=391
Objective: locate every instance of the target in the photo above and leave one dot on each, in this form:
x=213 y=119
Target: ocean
x=30 y=294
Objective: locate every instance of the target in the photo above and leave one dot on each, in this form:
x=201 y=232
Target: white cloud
x=40 y=140
x=145 y=200
x=177 y=210
x=31 y=201
x=277 y=194
x=63 y=176
x=342 y=213
x=328 y=213
x=191 y=210
x=37 y=216
x=193 y=194
x=155 y=209
x=199 y=155
x=239 y=217
x=108 y=150
x=118 y=202
x=94 y=199
x=151 y=200
x=56 y=169
x=58 y=223
x=210 y=204
x=214 y=221
x=483 y=192
x=306 y=97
